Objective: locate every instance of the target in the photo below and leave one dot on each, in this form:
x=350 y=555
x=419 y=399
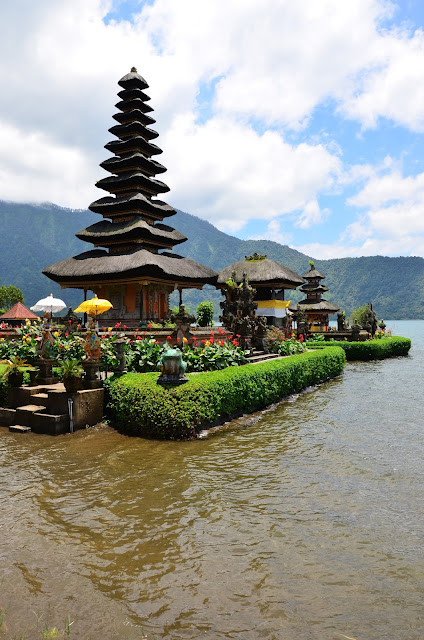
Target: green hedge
x=377 y=349
x=137 y=405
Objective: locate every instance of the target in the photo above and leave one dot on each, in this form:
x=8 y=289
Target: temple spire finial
x=133 y=70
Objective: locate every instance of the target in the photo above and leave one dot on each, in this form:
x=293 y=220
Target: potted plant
x=71 y=373
x=14 y=374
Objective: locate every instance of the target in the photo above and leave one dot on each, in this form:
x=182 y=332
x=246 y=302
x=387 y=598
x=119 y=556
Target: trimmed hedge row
x=137 y=405
x=371 y=349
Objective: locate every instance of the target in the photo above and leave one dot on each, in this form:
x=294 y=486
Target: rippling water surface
x=303 y=522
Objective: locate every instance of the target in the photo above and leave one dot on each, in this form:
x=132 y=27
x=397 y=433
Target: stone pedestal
x=46 y=374
x=91 y=379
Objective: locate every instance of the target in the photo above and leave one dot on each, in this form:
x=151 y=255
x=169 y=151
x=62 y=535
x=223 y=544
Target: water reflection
x=300 y=523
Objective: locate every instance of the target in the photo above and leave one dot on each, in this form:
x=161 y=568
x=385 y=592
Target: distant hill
x=34 y=236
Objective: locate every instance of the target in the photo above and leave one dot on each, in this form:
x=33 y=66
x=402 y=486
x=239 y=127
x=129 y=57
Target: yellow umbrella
x=94 y=307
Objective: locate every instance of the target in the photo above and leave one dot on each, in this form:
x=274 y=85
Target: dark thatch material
x=313 y=288
x=98 y=266
x=322 y=305
x=134 y=204
x=133 y=115
x=313 y=274
x=18 y=312
x=133 y=94
x=123 y=131
x=262 y=273
x=133 y=144
x=133 y=80
x=133 y=162
x=132 y=181
x=127 y=105
x=131 y=229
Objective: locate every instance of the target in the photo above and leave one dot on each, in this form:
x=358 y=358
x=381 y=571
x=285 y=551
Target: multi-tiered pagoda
x=317 y=309
x=132 y=264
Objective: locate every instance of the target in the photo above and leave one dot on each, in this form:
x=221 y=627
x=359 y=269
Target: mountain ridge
x=36 y=235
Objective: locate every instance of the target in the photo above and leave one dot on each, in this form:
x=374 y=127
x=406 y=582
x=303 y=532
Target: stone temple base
x=44 y=409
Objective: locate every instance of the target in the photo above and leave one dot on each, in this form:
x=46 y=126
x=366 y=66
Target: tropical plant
x=278 y=342
x=204 y=314
x=14 y=371
x=71 y=368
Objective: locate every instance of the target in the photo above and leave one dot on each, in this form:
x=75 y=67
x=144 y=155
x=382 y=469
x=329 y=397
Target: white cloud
x=43 y=169
x=229 y=173
x=274 y=63
x=274 y=233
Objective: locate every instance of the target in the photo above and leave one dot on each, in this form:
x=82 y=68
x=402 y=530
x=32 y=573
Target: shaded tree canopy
x=10 y=295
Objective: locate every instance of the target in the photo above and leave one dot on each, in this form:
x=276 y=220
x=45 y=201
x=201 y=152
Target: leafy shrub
x=371 y=349
x=204 y=314
x=277 y=342
x=138 y=405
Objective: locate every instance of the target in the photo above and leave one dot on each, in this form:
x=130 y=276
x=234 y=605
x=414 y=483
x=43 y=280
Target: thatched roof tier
x=322 y=305
x=123 y=131
x=265 y=273
x=133 y=162
x=133 y=94
x=132 y=145
x=311 y=287
x=313 y=274
x=98 y=266
x=132 y=181
x=133 y=80
x=18 y=312
x=105 y=233
x=134 y=204
x=133 y=115
x=130 y=105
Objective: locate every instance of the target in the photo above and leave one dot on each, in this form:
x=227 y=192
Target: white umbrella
x=49 y=304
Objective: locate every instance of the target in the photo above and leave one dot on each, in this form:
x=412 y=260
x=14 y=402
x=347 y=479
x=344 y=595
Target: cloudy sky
x=299 y=121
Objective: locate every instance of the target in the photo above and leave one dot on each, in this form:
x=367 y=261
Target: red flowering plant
x=212 y=355
x=277 y=342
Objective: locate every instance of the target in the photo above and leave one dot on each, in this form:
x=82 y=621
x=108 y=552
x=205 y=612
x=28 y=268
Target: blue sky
x=300 y=122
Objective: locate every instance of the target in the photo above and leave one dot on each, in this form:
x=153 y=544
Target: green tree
x=9 y=296
x=358 y=315
x=204 y=314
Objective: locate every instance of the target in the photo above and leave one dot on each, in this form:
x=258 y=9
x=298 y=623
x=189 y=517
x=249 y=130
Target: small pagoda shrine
x=270 y=280
x=316 y=309
x=17 y=315
x=132 y=264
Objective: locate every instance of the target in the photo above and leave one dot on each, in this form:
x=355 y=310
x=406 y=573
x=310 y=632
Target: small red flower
x=66 y=335
x=168 y=338
x=125 y=326
x=104 y=328
x=117 y=325
x=149 y=326
x=222 y=343
x=178 y=340
x=203 y=341
x=235 y=343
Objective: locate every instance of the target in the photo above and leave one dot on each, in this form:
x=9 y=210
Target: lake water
x=304 y=522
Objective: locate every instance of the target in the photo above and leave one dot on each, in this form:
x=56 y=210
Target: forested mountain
x=34 y=236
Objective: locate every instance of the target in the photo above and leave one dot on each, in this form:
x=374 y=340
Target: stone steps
x=18 y=428
x=260 y=356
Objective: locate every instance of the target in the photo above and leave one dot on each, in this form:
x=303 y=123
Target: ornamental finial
x=133 y=70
